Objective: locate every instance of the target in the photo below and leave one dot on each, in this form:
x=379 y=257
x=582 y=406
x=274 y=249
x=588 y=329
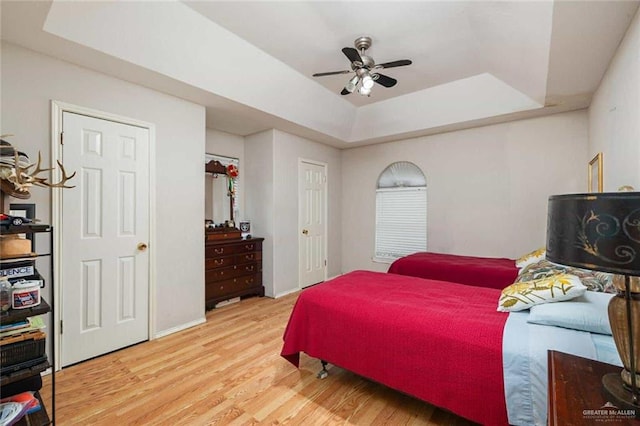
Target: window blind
x=401 y=222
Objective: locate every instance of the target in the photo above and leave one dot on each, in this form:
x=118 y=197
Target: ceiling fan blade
x=383 y=80
x=352 y=54
x=392 y=64
x=322 y=74
x=345 y=92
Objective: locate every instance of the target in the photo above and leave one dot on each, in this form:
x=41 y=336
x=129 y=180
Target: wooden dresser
x=233 y=268
x=576 y=395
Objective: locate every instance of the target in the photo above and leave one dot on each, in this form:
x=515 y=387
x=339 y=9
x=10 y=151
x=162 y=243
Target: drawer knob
x=218 y=250
x=218 y=261
x=249 y=246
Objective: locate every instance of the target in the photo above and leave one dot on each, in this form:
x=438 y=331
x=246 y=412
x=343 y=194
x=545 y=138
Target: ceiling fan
x=365 y=69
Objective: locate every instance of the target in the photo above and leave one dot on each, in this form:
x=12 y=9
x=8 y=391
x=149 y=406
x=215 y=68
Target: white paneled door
x=312 y=223
x=105 y=221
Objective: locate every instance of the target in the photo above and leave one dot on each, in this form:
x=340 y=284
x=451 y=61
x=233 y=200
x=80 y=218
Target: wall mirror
x=220 y=206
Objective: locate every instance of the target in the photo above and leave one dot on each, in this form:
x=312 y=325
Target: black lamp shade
x=599 y=231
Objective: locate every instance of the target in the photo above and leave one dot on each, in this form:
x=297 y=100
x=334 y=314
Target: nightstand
x=576 y=396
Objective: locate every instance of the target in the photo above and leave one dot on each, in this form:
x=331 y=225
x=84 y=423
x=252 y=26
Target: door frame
x=325 y=212
x=57 y=110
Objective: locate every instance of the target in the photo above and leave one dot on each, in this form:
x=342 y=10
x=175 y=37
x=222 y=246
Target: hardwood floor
x=228 y=371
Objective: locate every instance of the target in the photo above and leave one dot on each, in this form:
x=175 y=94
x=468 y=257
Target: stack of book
x=22 y=342
x=20 y=269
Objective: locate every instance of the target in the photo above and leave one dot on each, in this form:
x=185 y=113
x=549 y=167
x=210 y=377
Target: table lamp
x=601 y=232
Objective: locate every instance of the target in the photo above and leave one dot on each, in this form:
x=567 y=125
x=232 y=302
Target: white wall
x=30 y=80
x=272 y=203
x=487 y=187
x=288 y=150
x=260 y=208
x=614 y=115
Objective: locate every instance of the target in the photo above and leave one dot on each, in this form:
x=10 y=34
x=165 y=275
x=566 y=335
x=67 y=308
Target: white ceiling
x=447 y=41
x=250 y=63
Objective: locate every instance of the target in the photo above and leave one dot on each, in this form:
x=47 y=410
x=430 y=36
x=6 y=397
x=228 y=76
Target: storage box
x=36 y=277
x=13 y=245
x=29 y=349
x=25 y=294
x=30 y=384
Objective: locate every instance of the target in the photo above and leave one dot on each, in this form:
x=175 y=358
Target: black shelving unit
x=40 y=417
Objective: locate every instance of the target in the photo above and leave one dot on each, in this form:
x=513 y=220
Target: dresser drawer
x=251 y=280
x=216 y=251
x=230 y=286
x=249 y=268
x=222 y=288
x=219 y=262
x=248 y=257
x=219 y=274
x=249 y=245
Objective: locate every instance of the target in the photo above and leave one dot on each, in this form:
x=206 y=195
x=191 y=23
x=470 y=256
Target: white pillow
x=523 y=295
x=585 y=313
x=531 y=258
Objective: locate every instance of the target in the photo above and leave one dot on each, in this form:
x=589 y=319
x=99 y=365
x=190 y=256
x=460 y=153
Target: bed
x=477 y=271
x=439 y=341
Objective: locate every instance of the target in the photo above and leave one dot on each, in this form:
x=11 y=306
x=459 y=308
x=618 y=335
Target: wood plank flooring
x=228 y=371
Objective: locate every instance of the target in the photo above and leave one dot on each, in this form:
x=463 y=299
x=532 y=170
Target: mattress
x=438 y=341
x=476 y=271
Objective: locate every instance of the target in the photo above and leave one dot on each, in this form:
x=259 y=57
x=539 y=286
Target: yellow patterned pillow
x=523 y=295
x=529 y=258
x=593 y=280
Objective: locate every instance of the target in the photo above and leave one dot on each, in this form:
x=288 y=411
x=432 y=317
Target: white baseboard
x=298 y=289
x=179 y=328
x=295 y=290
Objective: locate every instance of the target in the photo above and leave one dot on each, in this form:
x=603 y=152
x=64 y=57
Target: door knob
x=142 y=246
x=305 y=231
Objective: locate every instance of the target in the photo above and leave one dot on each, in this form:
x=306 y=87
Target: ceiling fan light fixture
x=351 y=85
x=367 y=82
x=364 y=91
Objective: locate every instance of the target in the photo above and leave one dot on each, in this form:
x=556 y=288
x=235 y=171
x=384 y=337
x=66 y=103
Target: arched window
x=401 y=211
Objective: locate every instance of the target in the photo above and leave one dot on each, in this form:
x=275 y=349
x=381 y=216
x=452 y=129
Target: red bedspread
x=438 y=341
x=478 y=271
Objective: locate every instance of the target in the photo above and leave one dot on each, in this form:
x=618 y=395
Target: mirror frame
x=217 y=168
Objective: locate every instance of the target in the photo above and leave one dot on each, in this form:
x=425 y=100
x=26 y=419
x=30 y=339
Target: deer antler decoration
x=31 y=178
x=16 y=179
